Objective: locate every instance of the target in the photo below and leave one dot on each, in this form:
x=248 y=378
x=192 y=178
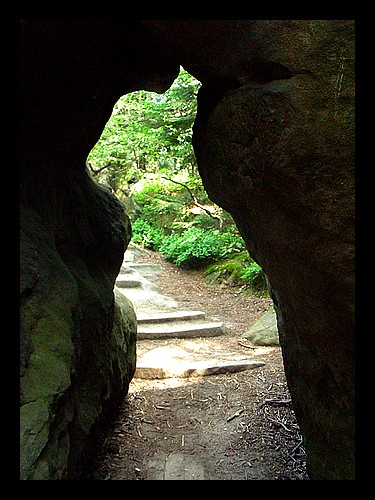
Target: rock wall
x=292 y=208
x=274 y=141
x=77 y=340
x=283 y=157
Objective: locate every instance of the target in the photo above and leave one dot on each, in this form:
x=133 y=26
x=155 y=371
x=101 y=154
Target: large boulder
x=264 y=331
x=77 y=341
x=279 y=155
x=274 y=141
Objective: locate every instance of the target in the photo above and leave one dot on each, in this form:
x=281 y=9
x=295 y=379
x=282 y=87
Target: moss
x=50 y=362
x=229 y=270
x=235 y=272
x=48 y=375
x=34 y=433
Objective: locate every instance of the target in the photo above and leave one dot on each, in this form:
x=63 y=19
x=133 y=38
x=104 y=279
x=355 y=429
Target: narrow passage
x=236 y=425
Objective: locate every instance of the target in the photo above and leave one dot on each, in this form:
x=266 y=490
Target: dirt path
x=236 y=426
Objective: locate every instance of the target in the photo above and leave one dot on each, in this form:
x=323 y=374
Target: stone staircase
x=184 y=324
x=171 y=342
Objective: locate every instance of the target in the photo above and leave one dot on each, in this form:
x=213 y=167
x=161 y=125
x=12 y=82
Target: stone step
x=147 y=298
x=127 y=270
x=190 y=360
x=141 y=268
x=124 y=281
x=128 y=257
x=179 y=330
x=166 y=317
x=194 y=369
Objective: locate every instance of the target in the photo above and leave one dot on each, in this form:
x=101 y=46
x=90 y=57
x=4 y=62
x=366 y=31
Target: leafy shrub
x=254 y=277
x=147 y=235
x=196 y=247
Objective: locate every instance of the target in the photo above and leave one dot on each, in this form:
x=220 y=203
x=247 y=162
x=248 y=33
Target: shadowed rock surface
x=274 y=141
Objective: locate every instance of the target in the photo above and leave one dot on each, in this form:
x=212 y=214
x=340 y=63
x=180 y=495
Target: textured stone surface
x=190 y=360
x=77 y=343
x=264 y=331
x=282 y=154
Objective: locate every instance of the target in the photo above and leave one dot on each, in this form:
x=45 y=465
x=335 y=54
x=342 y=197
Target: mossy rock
x=264 y=331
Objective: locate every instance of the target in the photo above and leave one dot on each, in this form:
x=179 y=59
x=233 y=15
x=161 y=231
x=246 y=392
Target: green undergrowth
x=222 y=255
x=196 y=247
x=238 y=271
x=168 y=224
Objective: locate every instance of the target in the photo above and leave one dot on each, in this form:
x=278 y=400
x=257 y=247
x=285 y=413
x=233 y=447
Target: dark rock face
x=77 y=341
x=274 y=141
x=283 y=157
x=77 y=349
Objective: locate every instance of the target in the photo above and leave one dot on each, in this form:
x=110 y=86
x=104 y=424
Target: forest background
x=145 y=156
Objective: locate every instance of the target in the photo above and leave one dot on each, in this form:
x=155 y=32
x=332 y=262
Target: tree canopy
x=148 y=132
x=145 y=153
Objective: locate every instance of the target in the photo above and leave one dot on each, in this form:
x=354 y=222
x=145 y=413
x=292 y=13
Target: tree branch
x=195 y=201
x=96 y=171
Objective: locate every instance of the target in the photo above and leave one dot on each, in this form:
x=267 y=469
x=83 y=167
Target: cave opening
x=279 y=155
x=198 y=376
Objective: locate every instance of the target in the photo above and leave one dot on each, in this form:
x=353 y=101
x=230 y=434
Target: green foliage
x=145 y=154
x=191 y=248
x=254 y=278
x=196 y=247
x=229 y=270
x=156 y=196
x=147 y=235
x=147 y=132
x=239 y=270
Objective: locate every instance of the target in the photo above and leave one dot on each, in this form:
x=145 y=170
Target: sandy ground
x=234 y=426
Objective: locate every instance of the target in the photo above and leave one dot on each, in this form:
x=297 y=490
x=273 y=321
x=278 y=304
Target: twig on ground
x=276 y=401
x=245 y=345
x=297 y=446
x=237 y=414
x=146 y=421
x=278 y=422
